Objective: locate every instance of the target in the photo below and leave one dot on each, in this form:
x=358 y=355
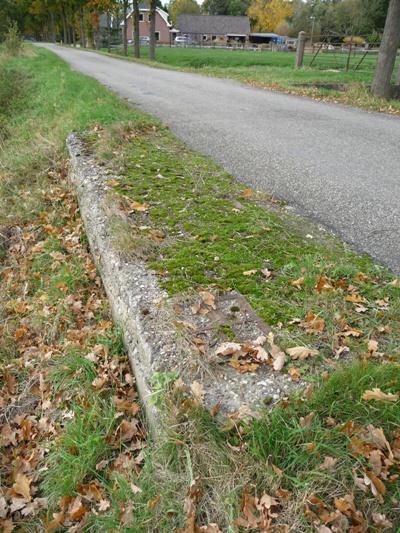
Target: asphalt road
x=337 y=165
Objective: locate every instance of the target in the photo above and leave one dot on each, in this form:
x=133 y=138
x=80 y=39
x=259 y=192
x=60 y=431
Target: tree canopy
x=179 y=7
x=78 y=19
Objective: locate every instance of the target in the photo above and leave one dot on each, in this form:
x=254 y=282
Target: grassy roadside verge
x=72 y=436
x=63 y=366
x=274 y=70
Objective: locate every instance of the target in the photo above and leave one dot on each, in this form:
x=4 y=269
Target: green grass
x=275 y=70
x=199 y=58
x=82 y=445
x=53 y=106
x=42 y=101
x=279 y=437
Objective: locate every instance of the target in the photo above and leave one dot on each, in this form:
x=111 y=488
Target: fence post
x=301 y=44
x=349 y=54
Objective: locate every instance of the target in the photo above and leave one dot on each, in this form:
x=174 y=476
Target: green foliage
x=180 y=7
x=348 y=16
x=13 y=41
x=225 y=7
x=161 y=383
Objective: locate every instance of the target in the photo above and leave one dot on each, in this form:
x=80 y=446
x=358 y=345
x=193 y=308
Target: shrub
x=13 y=41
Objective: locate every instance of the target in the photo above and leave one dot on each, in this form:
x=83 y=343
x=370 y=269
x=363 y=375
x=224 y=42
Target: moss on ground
x=215 y=231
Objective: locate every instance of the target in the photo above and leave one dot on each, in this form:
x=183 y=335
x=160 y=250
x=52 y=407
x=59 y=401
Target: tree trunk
x=73 y=35
x=381 y=85
x=64 y=23
x=81 y=29
x=136 y=30
x=52 y=27
x=108 y=32
x=125 y=32
x=152 y=14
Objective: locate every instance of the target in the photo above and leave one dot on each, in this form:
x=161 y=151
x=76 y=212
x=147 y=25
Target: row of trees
x=80 y=19
x=89 y=22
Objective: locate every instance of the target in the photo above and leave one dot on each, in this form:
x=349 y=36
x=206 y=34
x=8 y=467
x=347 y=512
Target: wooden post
x=349 y=54
x=301 y=43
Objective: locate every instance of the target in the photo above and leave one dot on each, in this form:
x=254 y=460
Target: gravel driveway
x=337 y=165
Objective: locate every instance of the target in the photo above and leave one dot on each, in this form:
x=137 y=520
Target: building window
x=140 y=17
x=213 y=37
x=157 y=35
x=149 y=17
x=205 y=37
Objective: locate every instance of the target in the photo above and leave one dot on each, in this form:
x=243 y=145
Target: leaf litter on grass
x=56 y=315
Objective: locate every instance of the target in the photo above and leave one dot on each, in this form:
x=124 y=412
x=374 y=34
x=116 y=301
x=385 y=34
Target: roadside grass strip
x=71 y=425
x=74 y=448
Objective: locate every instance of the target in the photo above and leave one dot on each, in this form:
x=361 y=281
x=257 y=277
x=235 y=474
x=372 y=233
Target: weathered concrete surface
x=336 y=164
x=146 y=314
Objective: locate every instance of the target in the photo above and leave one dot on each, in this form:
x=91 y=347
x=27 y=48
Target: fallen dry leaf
x=103 y=505
x=22 y=486
x=294 y=373
x=329 y=463
x=360 y=276
x=377 y=394
x=377 y=486
x=324 y=284
x=377 y=437
x=137 y=206
x=306 y=421
x=279 y=361
x=247 y=193
x=381 y=521
x=250 y=272
x=313 y=323
x=298 y=283
x=197 y=391
x=301 y=352
x=355 y=298
x=208 y=298
x=278 y=356
x=228 y=348
x=76 y=510
x=266 y=273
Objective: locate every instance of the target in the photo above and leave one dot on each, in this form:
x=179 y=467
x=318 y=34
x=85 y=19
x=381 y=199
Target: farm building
x=209 y=29
x=266 y=38
x=163 y=26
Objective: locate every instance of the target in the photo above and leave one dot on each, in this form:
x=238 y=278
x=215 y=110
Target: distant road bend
x=337 y=165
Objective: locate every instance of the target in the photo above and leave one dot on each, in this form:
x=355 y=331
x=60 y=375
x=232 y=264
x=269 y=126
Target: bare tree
x=82 y=36
x=152 y=44
x=108 y=16
x=136 y=32
x=381 y=85
x=125 y=6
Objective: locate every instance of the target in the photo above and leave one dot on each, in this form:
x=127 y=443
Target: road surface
x=335 y=164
